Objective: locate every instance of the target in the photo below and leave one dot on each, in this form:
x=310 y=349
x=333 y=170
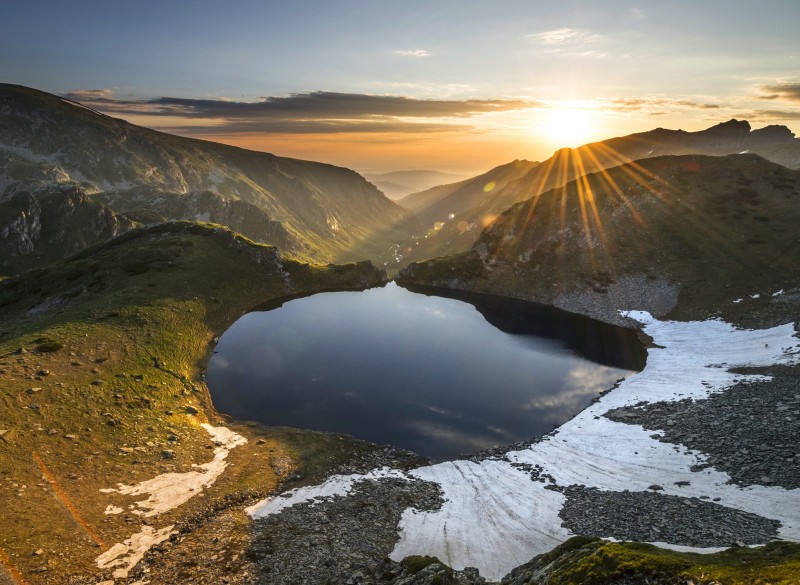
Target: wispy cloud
x=637 y=14
x=782 y=91
x=571 y=42
x=413 y=53
x=657 y=105
x=89 y=94
x=311 y=112
x=772 y=115
x=564 y=36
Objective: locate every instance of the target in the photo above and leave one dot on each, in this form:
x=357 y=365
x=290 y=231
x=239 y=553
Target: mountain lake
x=436 y=375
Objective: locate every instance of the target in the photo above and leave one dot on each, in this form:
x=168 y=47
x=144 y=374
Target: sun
x=568 y=126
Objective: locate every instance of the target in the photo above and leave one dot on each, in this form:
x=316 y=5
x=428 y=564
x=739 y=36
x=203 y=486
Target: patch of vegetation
x=416 y=563
x=589 y=561
x=48 y=345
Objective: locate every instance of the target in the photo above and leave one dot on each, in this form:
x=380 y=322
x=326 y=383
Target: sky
x=452 y=85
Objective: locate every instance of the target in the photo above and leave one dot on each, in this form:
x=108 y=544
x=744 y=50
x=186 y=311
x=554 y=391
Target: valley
x=127 y=253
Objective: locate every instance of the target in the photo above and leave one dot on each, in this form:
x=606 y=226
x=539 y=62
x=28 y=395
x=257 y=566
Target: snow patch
x=166 y=491
x=123 y=556
x=336 y=485
x=170 y=490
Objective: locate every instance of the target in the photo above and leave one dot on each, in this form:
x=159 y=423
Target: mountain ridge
x=566 y=164
x=648 y=235
x=335 y=211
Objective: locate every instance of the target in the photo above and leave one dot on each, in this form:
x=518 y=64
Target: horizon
x=461 y=87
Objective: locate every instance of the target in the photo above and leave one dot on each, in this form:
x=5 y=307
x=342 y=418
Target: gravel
x=339 y=539
x=751 y=430
x=655 y=517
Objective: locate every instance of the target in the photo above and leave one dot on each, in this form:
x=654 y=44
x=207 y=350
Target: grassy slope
x=131 y=323
x=589 y=561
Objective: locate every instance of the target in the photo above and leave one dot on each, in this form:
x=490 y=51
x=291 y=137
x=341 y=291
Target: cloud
x=772 y=115
x=647 y=103
x=564 y=36
x=310 y=112
x=637 y=14
x=783 y=91
x=89 y=94
x=413 y=53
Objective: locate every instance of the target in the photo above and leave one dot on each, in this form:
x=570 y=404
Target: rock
x=191 y=410
x=168 y=454
x=656 y=488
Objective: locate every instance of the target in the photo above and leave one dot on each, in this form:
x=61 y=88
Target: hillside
x=328 y=213
x=679 y=236
x=102 y=359
x=437 y=203
x=776 y=143
x=51 y=225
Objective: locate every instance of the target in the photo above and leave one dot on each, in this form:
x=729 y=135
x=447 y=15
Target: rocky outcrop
x=37 y=228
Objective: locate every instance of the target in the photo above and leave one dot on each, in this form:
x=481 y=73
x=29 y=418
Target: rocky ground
x=655 y=517
x=751 y=430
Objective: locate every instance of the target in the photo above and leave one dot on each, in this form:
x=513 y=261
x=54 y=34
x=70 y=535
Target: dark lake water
x=440 y=376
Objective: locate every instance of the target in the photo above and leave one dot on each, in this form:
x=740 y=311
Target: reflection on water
x=425 y=373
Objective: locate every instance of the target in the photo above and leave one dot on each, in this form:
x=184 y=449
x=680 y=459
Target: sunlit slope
x=117 y=337
x=332 y=212
x=680 y=236
x=775 y=143
x=437 y=203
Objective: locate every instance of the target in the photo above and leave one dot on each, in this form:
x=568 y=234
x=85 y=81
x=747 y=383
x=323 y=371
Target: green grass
x=588 y=561
x=124 y=352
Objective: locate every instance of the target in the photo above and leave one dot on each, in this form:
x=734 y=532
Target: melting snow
x=336 y=485
x=166 y=491
x=126 y=554
x=170 y=490
x=496 y=518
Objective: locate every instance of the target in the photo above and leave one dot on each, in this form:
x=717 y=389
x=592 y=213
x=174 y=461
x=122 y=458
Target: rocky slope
x=776 y=143
x=49 y=225
x=679 y=236
x=333 y=212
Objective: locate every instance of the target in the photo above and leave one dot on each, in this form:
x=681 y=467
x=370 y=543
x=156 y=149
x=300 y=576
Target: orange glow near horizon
x=470 y=153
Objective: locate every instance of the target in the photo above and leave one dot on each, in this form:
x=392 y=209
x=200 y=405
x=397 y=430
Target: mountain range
x=397 y=184
x=455 y=216
x=110 y=310
x=314 y=211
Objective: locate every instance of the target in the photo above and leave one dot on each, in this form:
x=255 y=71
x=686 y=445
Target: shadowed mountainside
x=327 y=213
